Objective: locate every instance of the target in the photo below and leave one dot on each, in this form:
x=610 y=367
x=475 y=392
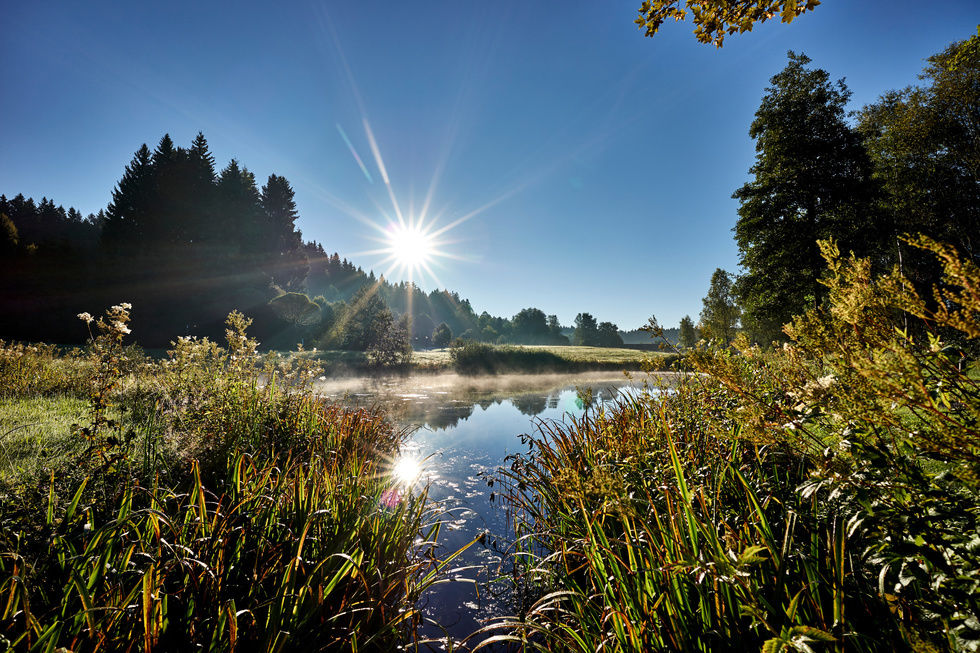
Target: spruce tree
x=129 y=210
x=239 y=212
x=200 y=185
x=167 y=225
x=280 y=212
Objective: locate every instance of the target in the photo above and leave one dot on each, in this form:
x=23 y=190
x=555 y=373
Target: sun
x=410 y=246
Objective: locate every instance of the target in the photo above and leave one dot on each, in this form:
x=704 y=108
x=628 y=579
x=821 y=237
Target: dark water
x=465 y=428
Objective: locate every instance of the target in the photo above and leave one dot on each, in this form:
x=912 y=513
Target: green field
x=600 y=356
x=519 y=358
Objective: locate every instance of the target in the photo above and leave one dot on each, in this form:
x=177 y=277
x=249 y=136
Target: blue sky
x=603 y=161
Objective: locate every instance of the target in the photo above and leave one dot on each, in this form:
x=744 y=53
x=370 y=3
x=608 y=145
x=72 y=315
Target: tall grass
x=471 y=357
x=214 y=504
x=822 y=496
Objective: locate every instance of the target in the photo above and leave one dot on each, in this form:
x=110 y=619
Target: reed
x=820 y=496
x=214 y=504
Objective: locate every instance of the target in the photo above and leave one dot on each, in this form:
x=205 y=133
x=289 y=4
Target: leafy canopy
x=811 y=180
x=713 y=19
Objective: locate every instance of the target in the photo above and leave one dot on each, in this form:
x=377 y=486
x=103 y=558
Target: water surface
x=464 y=428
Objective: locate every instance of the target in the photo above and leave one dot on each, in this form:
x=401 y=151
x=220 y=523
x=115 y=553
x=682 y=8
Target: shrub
x=28 y=370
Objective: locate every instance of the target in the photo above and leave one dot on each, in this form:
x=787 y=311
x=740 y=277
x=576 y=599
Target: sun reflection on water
x=406 y=470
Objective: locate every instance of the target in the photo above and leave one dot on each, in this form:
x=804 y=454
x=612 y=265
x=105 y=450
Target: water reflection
x=464 y=429
x=443 y=401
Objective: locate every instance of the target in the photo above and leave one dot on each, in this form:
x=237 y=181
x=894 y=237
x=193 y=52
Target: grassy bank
x=484 y=358
x=185 y=504
x=534 y=358
x=822 y=496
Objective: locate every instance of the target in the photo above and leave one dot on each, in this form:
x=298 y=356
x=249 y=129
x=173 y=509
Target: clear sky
x=596 y=166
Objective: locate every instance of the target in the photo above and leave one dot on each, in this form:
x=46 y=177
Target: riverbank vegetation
x=816 y=485
x=208 y=500
x=472 y=357
x=824 y=495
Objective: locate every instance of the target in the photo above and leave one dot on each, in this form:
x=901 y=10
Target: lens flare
x=410 y=246
x=406 y=470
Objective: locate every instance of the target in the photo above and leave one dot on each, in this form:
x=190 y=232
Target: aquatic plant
x=825 y=495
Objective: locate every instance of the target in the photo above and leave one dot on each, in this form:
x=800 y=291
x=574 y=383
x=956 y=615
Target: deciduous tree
x=531 y=326
x=586 y=330
x=925 y=145
x=442 y=335
x=812 y=179
x=720 y=315
x=608 y=335
x=687 y=336
x=713 y=19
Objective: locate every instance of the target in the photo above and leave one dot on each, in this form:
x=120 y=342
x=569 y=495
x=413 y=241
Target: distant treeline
x=186 y=244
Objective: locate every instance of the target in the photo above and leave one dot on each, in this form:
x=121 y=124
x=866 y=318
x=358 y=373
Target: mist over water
x=464 y=427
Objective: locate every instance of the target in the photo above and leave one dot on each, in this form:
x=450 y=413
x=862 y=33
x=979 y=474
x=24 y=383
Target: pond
x=464 y=428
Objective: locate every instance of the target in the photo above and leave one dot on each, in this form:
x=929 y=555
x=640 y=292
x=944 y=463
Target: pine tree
x=129 y=210
x=280 y=211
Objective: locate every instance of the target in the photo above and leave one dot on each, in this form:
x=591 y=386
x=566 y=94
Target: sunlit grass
x=208 y=500
x=522 y=358
x=37 y=431
x=535 y=357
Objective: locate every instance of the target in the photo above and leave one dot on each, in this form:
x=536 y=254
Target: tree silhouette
x=128 y=213
x=280 y=211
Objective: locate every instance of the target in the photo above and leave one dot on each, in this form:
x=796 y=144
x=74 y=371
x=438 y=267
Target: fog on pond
x=463 y=429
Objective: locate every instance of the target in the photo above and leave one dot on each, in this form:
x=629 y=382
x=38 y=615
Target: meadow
x=482 y=358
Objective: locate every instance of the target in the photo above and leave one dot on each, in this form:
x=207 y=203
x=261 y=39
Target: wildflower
x=121 y=327
x=391 y=497
x=85 y=317
x=126 y=306
x=826 y=381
